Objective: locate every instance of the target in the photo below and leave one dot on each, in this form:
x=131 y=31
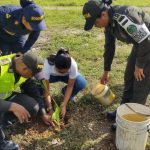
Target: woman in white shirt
x=62 y=67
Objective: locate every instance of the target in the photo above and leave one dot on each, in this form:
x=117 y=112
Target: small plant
x=56 y=114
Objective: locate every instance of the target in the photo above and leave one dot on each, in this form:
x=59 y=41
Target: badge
x=132 y=29
x=16 y=23
x=86 y=16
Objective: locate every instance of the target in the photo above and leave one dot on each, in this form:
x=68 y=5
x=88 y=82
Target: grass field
x=87 y=128
x=80 y=2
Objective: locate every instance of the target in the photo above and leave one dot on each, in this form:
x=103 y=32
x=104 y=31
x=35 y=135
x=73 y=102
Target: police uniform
x=13 y=32
x=30 y=96
x=132 y=26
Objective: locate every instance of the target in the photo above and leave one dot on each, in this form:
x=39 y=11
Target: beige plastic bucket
x=132 y=128
x=103 y=94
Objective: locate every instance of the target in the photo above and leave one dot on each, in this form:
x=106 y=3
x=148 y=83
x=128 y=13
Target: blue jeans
x=80 y=83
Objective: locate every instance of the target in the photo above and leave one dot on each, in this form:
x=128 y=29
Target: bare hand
x=63 y=111
x=105 y=78
x=20 y=112
x=138 y=73
x=47 y=120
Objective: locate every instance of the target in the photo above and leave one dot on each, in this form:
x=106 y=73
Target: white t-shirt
x=51 y=70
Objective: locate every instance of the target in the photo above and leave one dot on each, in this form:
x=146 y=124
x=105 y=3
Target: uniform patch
x=16 y=23
x=39 y=67
x=86 y=16
x=139 y=32
x=132 y=29
x=34 y=18
x=8 y=16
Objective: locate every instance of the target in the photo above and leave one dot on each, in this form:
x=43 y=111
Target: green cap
x=33 y=62
x=91 y=11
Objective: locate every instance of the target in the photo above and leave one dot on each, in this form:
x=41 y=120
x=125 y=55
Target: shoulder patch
x=5 y=61
x=8 y=16
x=139 y=32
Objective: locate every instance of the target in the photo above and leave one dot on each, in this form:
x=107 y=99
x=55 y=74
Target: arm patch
x=138 y=32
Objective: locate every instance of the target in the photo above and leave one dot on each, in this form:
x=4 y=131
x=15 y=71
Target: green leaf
x=56 y=114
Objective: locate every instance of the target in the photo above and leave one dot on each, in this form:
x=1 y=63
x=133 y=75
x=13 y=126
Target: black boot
x=6 y=144
x=113 y=127
x=112 y=115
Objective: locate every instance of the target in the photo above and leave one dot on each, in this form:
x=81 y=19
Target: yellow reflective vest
x=7 y=79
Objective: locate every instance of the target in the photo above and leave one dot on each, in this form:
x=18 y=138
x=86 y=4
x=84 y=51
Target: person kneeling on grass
x=62 y=67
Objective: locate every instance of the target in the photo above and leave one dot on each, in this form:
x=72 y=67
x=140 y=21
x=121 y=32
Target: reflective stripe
x=7 y=79
x=4 y=95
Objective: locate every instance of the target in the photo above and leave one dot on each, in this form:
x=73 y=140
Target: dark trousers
x=135 y=91
x=12 y=47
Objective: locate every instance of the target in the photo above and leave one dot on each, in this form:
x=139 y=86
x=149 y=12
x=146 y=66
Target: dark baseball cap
x=91 y=11
x=33 y=62
x=35 y=16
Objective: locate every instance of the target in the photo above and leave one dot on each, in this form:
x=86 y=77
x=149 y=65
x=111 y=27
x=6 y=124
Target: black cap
x=91 y=11
x=33 y=62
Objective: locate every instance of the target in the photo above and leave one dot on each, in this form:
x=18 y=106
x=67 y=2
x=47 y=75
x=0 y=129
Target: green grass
x=65 y=29
x=80 y=2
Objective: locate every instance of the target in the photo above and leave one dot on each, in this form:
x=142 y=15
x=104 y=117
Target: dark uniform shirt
x=12 y=29
x=128 y=24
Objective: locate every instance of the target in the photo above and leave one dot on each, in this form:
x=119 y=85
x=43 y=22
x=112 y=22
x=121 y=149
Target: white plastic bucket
x=132 y=135
x=103 y=94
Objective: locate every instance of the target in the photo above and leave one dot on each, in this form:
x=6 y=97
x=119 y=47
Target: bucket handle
x=148 y=128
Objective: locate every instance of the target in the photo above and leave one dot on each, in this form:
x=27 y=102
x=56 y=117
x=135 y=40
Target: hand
x=20 y=112
x=138 y=73
x=47 y=120
x=63 y=111
x=105 y=78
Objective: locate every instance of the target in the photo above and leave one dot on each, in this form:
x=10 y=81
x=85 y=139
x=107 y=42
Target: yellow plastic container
x=103 y=94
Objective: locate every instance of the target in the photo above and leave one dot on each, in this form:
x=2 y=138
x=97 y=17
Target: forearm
x=47 y=96
x=31 y=40
x=109 y=51
x=4 y=105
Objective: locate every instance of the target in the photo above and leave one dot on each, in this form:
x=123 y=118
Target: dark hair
x=61 y=59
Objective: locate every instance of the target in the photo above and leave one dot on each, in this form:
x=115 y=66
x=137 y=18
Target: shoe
x=113 y=127
x=112 y=115
x=8 y=145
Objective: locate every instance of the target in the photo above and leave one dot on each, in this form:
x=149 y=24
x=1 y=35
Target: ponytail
x=61 y=59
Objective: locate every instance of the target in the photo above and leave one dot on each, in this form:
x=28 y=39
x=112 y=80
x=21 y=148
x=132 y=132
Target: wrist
x=106 y=72
x=12 y=106
x=63 y=104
